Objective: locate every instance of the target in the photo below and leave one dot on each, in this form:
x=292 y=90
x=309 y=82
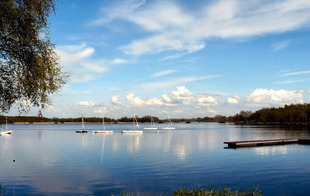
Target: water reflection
x=102 y=148
x=4 y=145
x=133 y=142
x=271 y=150
x=55 y=156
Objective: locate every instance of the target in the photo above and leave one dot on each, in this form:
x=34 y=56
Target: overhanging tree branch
x=29 y=69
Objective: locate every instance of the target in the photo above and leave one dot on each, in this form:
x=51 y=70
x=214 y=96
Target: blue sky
x=186 y=58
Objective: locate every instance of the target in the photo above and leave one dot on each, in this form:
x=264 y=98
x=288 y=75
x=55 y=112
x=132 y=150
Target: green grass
x=207 y=192
x=211 y=192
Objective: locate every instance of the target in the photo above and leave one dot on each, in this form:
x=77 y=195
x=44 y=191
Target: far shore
x=37 y=123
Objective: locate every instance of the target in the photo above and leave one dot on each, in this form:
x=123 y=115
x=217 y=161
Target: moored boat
x=103 y=126
x=134 y=125
x=83 y=126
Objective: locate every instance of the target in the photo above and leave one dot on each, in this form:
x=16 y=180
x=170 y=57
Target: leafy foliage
x=207 y=192
x=29 y=69
x=289 y=114
x=211 y=192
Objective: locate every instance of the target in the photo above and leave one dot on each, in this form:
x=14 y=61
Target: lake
x=52 y=159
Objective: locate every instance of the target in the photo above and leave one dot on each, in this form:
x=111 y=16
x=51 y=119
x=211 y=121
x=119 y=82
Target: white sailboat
x=169 y=123
x=152 y=127
x=134 y=125
x=103 y=126
x=6 y=131
x=83 y=126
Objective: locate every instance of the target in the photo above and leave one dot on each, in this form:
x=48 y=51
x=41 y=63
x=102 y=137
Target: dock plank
x=253 y=143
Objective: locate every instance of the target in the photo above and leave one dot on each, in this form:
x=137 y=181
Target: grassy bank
x=211 y=192
x=207 y=192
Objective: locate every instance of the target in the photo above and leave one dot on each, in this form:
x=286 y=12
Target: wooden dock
x=254 y=143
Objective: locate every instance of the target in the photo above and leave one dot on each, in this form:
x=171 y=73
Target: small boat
x=6 y=132
x=152 y=127
x=81 y=131
x=6 y=128
x=134 y=125
x=169 y=127
x=132 y=131
x=83 y=127
x=98 y=131
x=103 y=125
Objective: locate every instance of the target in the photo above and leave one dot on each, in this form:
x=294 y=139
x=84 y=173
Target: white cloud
x=85 y=103
x=265 y=97
x=136 y=101
x=113 y=89
x=175 y=56
x=222 y=10
x=232 y=100
x=74 y=53
x=296 y=73
x=116 y=11
x=101 y=110
x=182 y=103
x=174 y=28
x=213 y=111
x=157 y=16
x=118 y=61
x=163 y=73
x=206 y=101
x=182 y=95
x=184 y=100
x=174 y=82
x=280 y=45
x=116 y=100
x=289 y=82
x=78 y=60
x=167 y=100
x=154 y=102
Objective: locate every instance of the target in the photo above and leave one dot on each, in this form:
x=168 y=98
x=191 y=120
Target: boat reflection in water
x=191 y=155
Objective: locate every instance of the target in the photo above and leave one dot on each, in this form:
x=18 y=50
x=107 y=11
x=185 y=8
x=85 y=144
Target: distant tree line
x=289 y=114
x=144 y=119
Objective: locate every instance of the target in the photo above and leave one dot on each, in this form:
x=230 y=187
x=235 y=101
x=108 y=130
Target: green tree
x=29 y=69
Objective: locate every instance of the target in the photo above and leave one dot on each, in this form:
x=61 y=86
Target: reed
x=206 y=192
x=212 y=192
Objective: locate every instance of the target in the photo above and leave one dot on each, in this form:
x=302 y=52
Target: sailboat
x=103 y=126
x=134 y=125
x=152 y=127
x=169 y=123
x=83 y=126
x=6 y=128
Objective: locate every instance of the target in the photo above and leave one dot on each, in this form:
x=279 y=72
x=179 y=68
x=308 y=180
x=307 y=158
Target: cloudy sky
x=188 y=58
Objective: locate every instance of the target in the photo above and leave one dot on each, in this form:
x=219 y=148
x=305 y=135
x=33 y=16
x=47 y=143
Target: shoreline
x=37 y=123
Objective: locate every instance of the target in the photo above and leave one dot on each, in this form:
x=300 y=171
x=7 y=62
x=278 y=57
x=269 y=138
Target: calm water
x=54 y=160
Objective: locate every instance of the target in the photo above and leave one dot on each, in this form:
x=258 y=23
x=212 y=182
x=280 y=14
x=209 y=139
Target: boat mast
x=133 y=118
x=152 y=121
x=170 y=123
x=103 y=122
x=82 y=120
